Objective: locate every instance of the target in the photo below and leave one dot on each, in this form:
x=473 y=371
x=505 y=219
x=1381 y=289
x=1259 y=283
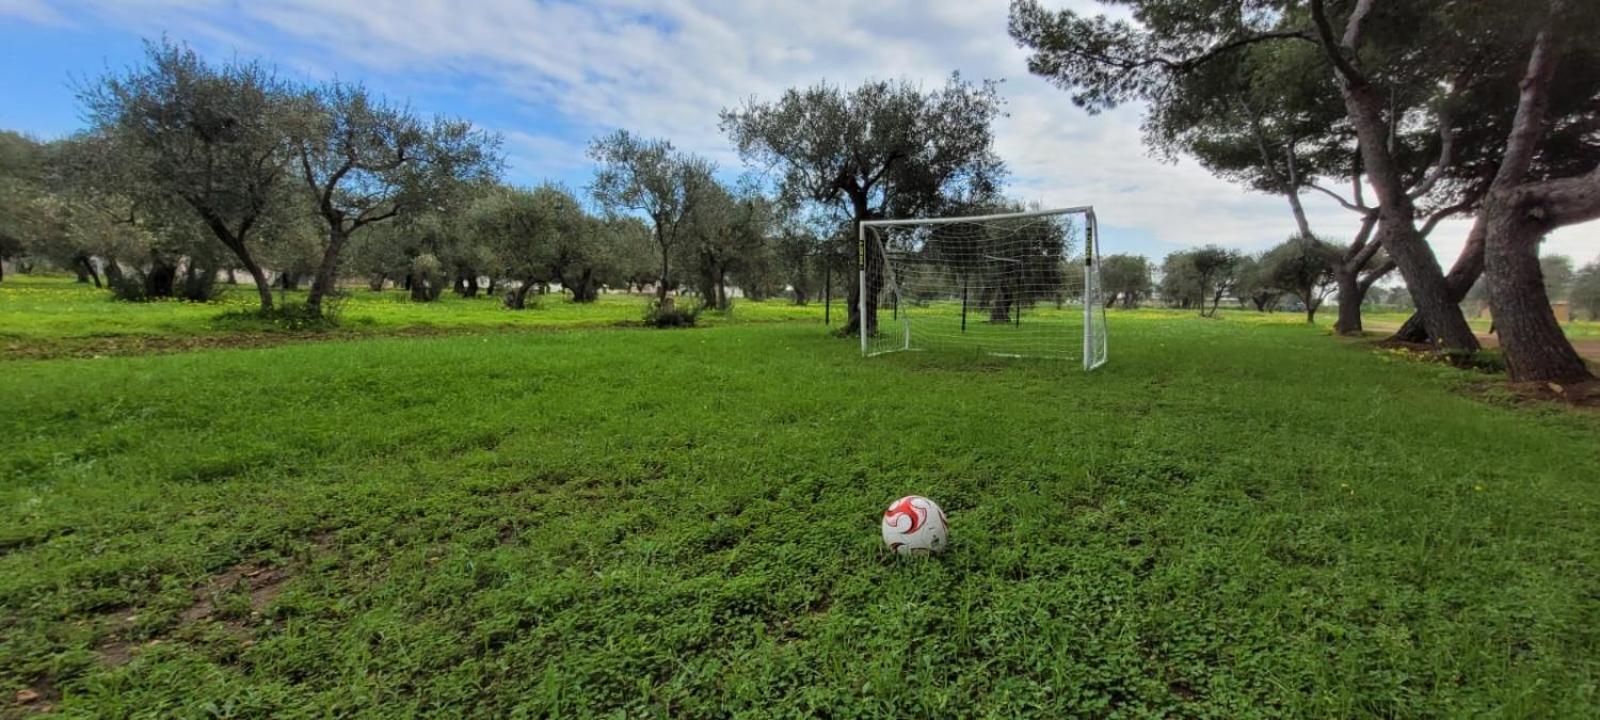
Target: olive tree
x=1191 y=278
x=366 y=161
x=656 y=180
x=525 y=230
x=728 y=234
x=1302 y=267
x=213 y=138
x=794 y=248
x=22 y=170
x=1252 y=285
x=1126 y=278
x=884 y=149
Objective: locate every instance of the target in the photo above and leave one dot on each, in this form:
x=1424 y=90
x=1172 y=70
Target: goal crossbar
x=921 y=279
x=1085 y=209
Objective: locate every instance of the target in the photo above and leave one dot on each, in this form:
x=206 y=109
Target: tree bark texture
x=327 y=271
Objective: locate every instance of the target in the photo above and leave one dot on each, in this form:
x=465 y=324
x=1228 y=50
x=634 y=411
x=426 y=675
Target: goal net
x=1021 y=284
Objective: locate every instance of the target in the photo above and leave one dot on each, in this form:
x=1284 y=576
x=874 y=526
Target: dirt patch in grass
x=261 y=585
x=118 y=647
x=1181 y=689
x=1584 y=396
x=236 y=598
x=1393 y=344
x=36 y=699
x=120 y=345
x=124 y=345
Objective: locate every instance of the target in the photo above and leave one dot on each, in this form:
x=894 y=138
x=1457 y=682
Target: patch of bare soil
x=1589 y=349
x=261 y=584
x=119 y=345
x=235 y=598
x=1580 y=395
x=36 y=699
x=117 y=649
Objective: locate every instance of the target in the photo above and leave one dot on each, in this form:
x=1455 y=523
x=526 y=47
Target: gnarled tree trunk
x=327 y=271
x=161 y=278
x=585 y=290
x=517 y=299
x=1531 y=338
x=1397 y=228
x=1463 y=274
x=263 y=285
x=112 y=270
x=1520 y=214
x=1441 y=316
x=875 y=278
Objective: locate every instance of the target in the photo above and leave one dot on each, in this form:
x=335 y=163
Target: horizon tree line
x=1291 y=100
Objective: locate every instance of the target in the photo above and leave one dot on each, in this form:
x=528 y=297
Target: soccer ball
x=914 y=525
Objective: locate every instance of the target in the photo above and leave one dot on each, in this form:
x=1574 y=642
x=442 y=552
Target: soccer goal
x=1023 y=284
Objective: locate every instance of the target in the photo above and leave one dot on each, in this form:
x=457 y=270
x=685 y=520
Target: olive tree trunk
x=112 y=270
x=517 y=298
x=875 y=277
x=327 y=277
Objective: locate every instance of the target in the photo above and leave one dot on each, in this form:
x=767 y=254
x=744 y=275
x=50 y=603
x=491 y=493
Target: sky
x=550 y=75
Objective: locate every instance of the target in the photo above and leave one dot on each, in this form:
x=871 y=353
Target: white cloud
x=666 y=68
x=34 y=11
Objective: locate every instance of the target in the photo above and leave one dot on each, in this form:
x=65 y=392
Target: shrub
x=129 y=287
x=292 y=317
x=670 y=316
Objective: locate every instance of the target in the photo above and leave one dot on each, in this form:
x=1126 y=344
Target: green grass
x=43 y=309
x=1234 y=518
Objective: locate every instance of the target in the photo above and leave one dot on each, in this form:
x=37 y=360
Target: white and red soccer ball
x=914 y=525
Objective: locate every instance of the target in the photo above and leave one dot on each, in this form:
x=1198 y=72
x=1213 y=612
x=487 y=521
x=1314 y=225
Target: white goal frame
x=1092 y=301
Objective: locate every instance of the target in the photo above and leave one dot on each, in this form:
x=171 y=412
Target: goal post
x=1021 y=284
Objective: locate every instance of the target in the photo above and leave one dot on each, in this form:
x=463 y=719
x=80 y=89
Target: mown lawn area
x=1231 y=519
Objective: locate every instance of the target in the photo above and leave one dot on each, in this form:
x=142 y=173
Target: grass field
x=1233 y=518
x=53 y=314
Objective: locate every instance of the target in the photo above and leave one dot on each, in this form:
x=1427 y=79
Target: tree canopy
x=656 y=180
x=887 y=148
x=211 y=138
x=367 y=161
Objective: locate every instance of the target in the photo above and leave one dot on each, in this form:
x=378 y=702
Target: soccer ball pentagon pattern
x=914 y=525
